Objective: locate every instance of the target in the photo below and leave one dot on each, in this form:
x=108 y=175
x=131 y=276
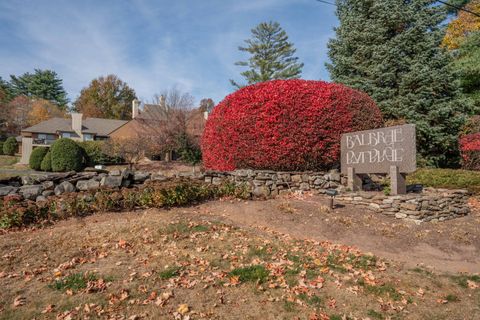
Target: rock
x=296 y=178
x=31 y=192
x=41 y=198
x=158 y=177
x=126 y=183
x=48 y=185
x=261 y=191
x=208 y=179
x=85 y=185
x=111 y=181
x=140 y=177
x=48 y=193
x=333 y=175
x=114 y=173
x=64 y=187
x=7 y=190
x=409 y=206
x=127 y=173
x=400 y=215
x=216 y=180
x=304 y=186
x=318 y=182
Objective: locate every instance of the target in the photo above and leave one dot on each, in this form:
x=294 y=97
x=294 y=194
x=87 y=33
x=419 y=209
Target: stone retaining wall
x=424 y=205
x=266 y=183
x=429 y=205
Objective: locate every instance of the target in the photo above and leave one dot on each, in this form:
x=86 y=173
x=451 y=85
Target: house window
x=66 y=135
x=88 y=137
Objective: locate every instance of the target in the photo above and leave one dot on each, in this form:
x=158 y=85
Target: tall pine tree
x=44 y=84
x=272 y=56
x=391 y=50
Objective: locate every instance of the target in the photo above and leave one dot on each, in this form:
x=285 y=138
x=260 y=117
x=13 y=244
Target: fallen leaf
x=19 y=301
x=49 y=308
x=183 y=308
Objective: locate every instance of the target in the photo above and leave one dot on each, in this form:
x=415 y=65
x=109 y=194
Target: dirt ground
x=452 y=245
x=234 y=259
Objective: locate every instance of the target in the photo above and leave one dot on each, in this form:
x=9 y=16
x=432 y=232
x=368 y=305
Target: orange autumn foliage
x=465 y=24
x=42 y=110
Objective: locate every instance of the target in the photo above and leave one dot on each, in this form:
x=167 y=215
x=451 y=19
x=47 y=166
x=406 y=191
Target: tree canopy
x=391 y=50
x=462 y=26
x=272 y=55
x=106 y=97
x=43 y=84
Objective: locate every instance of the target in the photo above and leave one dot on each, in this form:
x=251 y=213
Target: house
x=149 y=120
x=46 y=132
x=144 y=122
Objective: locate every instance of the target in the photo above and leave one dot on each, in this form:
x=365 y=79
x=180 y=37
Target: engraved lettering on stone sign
x=388 y=139
x=376 y=150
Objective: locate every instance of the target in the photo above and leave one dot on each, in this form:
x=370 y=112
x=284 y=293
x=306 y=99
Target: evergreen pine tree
x=43 y=84
x=272 y=56
x=391 y=50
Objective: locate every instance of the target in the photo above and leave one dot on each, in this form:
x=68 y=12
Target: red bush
x=470 y=151
x=285 y=125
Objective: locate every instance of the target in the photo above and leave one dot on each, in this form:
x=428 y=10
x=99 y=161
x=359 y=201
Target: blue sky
x=154 y=45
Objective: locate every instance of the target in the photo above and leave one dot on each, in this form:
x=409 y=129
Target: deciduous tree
x=462 y=26
x=271 y=55
x=391 y=50
x=42 y=110
x=106 y=97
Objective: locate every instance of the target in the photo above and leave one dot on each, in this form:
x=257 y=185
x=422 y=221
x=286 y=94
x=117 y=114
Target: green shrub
x=93 y=152
x=10 y=146
x=67 y=156
x=1 y=147
x=36 y=157
x=46 y=164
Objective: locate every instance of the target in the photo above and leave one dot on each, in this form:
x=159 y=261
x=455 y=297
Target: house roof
x=98 y=126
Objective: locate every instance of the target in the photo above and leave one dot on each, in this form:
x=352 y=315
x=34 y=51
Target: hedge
x=46 y=164
x=67 y=156
x=36 y=157
x=10 y=146
x=285 y=125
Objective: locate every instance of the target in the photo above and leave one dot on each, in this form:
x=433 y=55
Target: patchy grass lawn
x=447 y=178
x=8 y=161
x=160 y=264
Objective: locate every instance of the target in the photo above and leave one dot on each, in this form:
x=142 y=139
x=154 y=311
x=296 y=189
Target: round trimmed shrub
x=66 y=156
x=46 y=164
x=285 y=125
x=10 y=146
x=36 y=158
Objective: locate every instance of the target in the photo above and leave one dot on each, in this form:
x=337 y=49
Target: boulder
x=85 y=185
x=114 y=173
x=64 y=187
x=31 y=192
x=333 y=175
x=261 y=191
x=111 y=181
x=140 y=177
x=7 y=190
x=127 y=173
x=41 y=198
x=158 y=177
x=48 y=193
x=48 y=185
x=216 y=180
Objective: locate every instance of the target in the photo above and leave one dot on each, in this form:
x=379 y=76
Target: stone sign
x=386 y=150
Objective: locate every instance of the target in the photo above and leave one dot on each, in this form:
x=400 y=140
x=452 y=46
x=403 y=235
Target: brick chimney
x=77 y=123
x=135 y=108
